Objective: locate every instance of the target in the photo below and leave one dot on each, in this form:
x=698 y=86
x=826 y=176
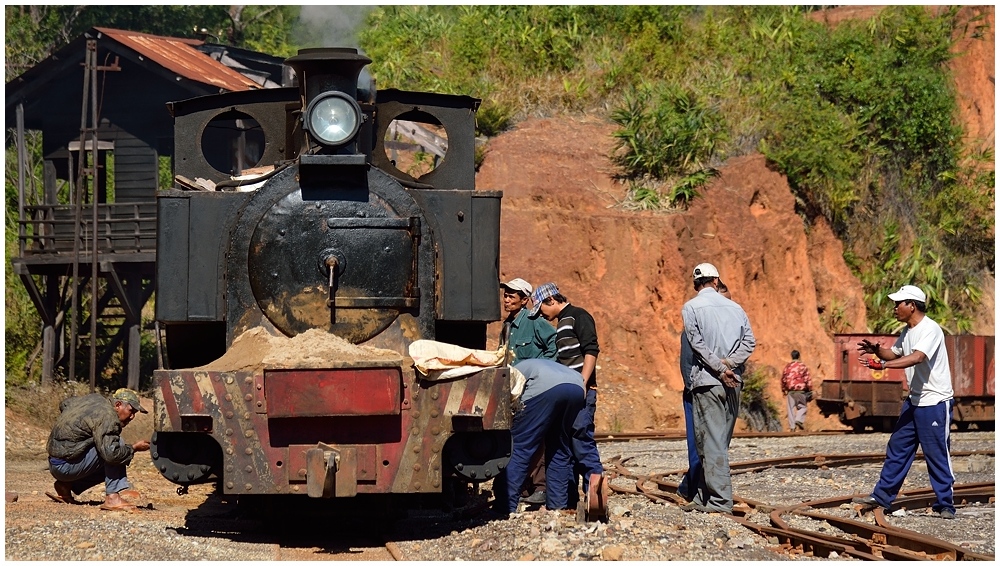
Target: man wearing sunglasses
x=925 y=418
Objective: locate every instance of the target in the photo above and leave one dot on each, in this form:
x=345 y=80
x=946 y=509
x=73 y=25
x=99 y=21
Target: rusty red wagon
x=864 y=398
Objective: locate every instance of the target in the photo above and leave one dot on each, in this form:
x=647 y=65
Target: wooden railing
x=121 y=228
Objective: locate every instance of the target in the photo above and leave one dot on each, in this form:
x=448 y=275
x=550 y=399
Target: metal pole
x=21 y=171
x=92 y=49
x=74 y=331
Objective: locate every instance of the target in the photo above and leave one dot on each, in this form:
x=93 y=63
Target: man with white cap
x=925 y=418
x=721 y=341
x=524 y=336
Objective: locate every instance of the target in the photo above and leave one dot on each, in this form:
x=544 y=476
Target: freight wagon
x=864 y=398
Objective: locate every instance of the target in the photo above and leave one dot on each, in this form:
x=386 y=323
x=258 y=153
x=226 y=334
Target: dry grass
x=41 y=404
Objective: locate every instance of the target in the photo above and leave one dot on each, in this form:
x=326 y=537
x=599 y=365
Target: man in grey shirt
x=553 y=397
x=721 y=341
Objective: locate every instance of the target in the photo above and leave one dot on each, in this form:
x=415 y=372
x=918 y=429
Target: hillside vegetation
x=860 y=118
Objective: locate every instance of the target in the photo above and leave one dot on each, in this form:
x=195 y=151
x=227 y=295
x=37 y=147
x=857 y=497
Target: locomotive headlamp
x=333 y=118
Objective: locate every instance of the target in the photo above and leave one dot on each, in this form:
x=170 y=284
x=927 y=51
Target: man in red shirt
x=795 y=383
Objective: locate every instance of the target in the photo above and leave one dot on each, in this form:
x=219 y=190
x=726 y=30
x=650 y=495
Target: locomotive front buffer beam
x=362 y=428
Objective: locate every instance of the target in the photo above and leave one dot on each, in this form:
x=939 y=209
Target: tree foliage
x=35 y=32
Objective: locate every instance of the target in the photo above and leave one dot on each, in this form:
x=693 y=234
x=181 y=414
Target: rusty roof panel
x=180 y=56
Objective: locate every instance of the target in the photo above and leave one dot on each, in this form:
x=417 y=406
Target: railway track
x=856 y=537
x=680 y=434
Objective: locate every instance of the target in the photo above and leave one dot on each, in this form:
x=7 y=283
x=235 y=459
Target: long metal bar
x=94 y=162
x=159 y=346
x=131 y=315
x=74 y=331
x=21 y=172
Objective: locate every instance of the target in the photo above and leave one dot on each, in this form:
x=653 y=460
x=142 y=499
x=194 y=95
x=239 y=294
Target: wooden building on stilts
x=87 y=211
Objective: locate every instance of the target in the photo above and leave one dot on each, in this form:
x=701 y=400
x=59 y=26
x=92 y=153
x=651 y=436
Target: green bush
x=894 y=265
x=756 y=408
x=668 y=134
x=22 y=324
x=813 y=142
x=493 y=118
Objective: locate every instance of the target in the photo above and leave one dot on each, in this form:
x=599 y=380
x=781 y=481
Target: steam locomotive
x=333 y=237
x=863 y=398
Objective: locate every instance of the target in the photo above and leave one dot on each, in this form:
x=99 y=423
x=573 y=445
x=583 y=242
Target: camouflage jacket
x=88 y=421
x=795 y=377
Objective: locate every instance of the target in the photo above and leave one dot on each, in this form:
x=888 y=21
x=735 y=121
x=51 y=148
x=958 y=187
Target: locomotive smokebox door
x=344 y=265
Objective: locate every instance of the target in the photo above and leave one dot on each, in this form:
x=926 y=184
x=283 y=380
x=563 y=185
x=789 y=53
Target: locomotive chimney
x=327 y=69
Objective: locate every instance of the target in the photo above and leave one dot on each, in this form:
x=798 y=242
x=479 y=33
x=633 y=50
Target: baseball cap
x=518 y=284
x=130 y=397
x=909 y=293
x=541 y=293
x=705 y=270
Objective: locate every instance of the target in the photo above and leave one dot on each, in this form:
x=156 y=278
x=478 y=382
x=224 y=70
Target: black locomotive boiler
x=307 y=224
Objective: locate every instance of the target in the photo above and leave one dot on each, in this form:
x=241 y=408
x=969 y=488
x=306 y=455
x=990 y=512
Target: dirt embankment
x=631 y=270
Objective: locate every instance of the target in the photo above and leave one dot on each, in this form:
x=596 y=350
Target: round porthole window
x=416 y=143
x=233 y=142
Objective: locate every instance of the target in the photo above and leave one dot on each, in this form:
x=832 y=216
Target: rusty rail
x=880 y=541
x=680 y=434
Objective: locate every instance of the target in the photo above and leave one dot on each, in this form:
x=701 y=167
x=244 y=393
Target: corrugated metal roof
x=179 y=56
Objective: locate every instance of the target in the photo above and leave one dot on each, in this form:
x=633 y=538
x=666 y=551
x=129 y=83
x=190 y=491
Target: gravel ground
x=642 y=530
x=201 y=526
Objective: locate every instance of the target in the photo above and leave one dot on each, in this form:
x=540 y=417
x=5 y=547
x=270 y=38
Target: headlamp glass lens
x=333 y=120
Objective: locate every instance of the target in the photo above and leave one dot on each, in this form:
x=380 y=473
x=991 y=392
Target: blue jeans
x=588 y=459
x=89 y=471
x=549 y=418
x=689 y=484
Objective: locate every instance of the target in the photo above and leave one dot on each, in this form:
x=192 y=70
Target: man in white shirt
x=925 y=419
